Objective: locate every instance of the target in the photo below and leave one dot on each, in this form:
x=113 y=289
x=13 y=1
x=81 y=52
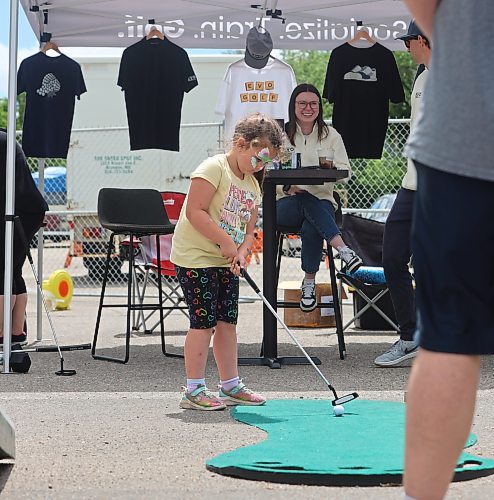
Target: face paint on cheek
x=253 y=162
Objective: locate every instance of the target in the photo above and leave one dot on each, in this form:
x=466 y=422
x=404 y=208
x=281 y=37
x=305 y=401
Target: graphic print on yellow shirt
x=230 y=208
x=237 y=212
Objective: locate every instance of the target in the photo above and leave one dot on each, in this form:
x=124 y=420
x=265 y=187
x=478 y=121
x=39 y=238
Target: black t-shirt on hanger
x=154 y=74
x=51 y=85
x=361 y=82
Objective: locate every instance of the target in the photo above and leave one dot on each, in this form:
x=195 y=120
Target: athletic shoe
x=399 y=351
x=200 y=399
x=350 y=258
x=20 y=339
x=308 y=301
x=240 y=395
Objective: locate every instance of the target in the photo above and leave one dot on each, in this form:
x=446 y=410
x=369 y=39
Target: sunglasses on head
x=262 y=157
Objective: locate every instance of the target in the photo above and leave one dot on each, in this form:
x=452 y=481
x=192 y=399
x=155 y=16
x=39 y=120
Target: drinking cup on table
x=326 y=158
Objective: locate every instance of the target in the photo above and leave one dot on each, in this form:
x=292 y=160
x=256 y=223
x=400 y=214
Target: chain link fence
x=73 y=239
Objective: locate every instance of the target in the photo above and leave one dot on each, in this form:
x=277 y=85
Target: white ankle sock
x=194 y=383
x=228 y=385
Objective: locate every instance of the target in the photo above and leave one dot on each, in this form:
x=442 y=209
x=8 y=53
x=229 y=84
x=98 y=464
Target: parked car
x=55 y=193
x=384 y=202
x=55 y=188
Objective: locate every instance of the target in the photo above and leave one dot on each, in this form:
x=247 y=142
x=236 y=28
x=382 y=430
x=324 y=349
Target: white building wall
x=104 y=106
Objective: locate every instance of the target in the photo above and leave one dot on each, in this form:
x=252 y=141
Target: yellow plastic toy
x=59 y=289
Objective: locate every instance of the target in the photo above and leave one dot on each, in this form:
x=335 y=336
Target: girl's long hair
x=291 y=126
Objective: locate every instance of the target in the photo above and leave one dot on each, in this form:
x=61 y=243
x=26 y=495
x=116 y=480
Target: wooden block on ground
x=319 y=318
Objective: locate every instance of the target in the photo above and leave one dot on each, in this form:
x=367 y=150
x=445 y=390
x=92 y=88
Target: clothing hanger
x=362 y=34
x=154 y=32
x=50 y=46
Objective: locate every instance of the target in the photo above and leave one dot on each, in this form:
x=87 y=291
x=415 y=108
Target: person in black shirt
x=30 y=207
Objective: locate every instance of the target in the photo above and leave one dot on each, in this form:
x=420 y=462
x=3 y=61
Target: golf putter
x=63 y=371
x=337 y=400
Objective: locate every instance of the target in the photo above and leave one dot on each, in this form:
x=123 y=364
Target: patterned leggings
x=211 y=294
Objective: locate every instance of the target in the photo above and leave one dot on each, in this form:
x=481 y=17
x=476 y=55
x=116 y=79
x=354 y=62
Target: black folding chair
x=365 y=237
x=134 y=213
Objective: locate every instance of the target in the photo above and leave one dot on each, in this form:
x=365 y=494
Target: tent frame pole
x=10 y=184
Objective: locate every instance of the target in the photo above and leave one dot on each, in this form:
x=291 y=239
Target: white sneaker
x=350 y=258
x=399 y=351
x=308 y=301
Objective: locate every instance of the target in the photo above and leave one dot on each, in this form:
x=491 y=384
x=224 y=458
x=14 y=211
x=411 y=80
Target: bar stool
x=133 y=213
x=281 y=232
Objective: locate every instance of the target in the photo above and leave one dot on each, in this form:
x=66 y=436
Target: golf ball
x=338 y=410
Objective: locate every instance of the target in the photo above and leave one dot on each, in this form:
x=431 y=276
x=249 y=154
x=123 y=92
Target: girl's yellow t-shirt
x=231 y=208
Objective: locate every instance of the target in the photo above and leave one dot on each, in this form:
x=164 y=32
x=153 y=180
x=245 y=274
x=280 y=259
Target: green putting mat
x=307 y=444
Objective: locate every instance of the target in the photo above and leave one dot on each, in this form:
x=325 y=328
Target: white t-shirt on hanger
x=246 y=90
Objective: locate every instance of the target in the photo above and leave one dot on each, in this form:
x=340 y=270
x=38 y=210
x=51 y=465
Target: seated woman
x=312 y=208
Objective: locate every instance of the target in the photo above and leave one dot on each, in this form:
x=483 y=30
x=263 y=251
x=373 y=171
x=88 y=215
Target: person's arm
x=424 y=12
x=201 y=193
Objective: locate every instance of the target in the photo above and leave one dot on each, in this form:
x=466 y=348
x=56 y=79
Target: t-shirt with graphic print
x=361 y=81
x=154 y=74
x=231 y=208
x=247 y=90
x=51 y=85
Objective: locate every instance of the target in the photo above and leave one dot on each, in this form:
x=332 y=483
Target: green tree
x=21 y=106
x=3 y=113
x=408 y=70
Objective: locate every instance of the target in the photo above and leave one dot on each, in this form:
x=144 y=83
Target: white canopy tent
x=293 y=24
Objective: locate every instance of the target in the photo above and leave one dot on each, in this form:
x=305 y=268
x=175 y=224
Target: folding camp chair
x=146 y=268
x=373 y=309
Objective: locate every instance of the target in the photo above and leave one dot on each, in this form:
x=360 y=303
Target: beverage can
x=296 y=160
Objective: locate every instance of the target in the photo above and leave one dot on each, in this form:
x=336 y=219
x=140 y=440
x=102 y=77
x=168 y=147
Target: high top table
x=298 y=176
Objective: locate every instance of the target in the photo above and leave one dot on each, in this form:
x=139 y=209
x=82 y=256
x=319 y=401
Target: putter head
x=345 y=399
x=65 y=373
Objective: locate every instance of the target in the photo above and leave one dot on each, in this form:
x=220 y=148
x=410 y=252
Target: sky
x=28 y=44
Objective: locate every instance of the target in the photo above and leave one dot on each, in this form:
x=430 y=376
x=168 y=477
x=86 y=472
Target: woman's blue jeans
x=316 y=220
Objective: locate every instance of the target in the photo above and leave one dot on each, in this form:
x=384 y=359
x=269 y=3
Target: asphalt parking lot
x=116 y=431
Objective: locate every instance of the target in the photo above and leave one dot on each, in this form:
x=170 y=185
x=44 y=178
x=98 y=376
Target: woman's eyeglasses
x=304 y=104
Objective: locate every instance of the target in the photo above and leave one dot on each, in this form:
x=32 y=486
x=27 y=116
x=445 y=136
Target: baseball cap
x=413 y=32
x=259 y=46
